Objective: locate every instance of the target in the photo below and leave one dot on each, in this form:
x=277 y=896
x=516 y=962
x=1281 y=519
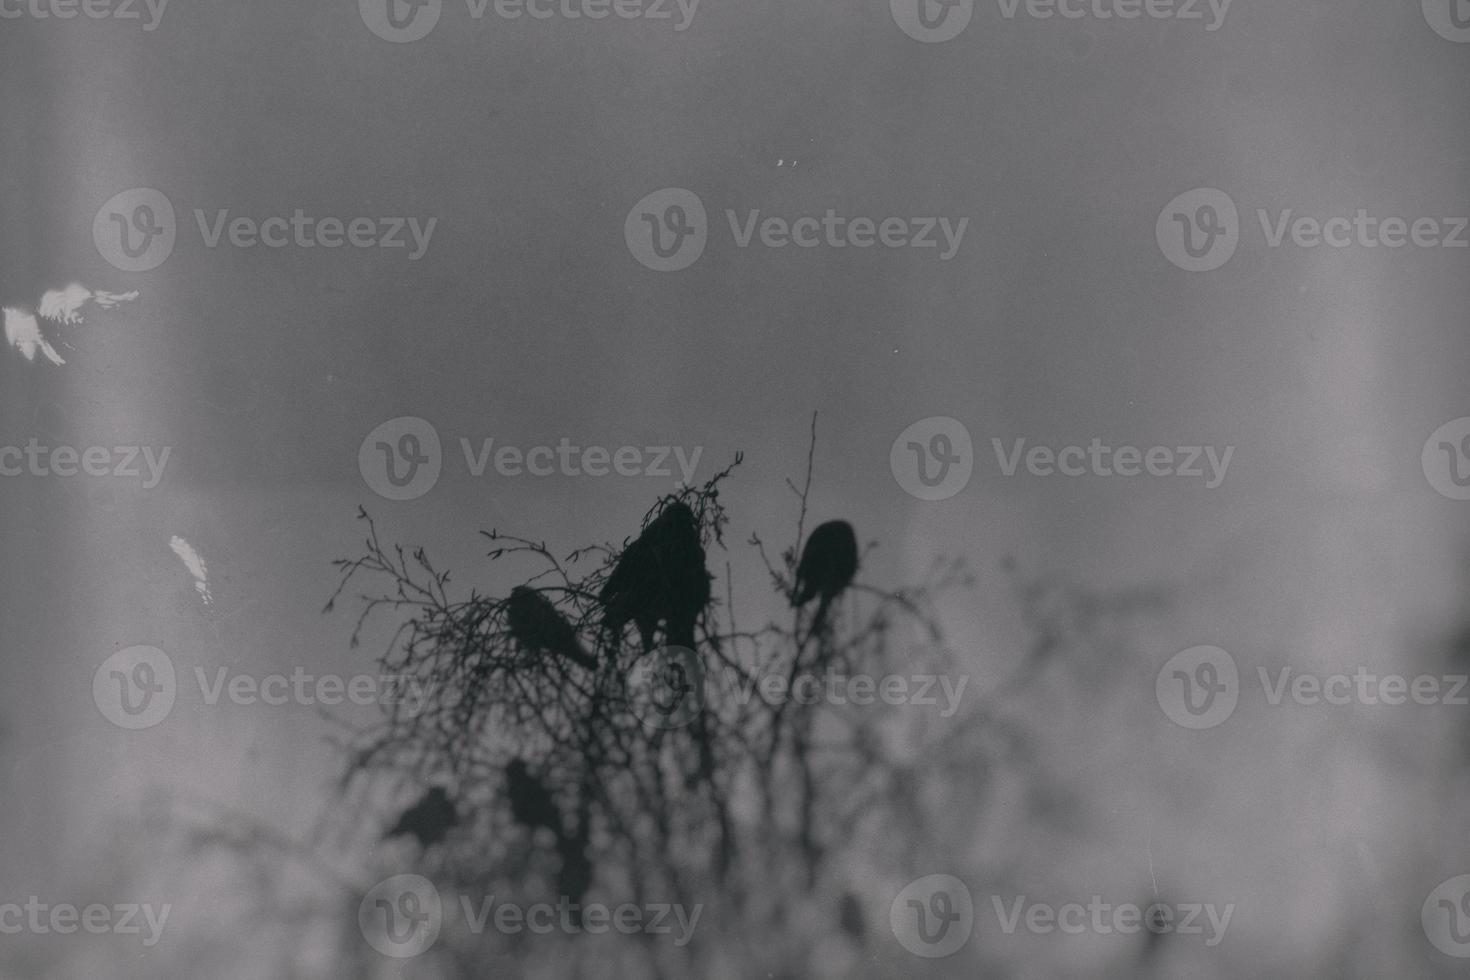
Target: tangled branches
x=739 y=769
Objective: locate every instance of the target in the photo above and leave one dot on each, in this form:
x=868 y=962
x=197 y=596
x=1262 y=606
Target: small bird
x=428 y=820
x=539 y=627
x=828 y=563
x=531 y=803
x=660 y=577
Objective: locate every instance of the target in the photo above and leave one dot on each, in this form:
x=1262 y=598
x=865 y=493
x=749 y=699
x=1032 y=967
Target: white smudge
x=23 y=330
x=195 y=565
x=64 y=305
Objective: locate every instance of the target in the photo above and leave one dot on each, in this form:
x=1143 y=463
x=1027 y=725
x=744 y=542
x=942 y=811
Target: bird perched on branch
x=531 y=803
x=539 y=627
x=659 y=578
x=429 y=820
x=828 y=563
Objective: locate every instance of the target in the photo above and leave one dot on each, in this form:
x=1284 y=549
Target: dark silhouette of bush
x=746 y=805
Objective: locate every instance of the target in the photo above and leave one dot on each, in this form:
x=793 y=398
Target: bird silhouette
x=828 y=563
x=659 y=578
x=429 y=820
x=531 y=803
x=539 y=627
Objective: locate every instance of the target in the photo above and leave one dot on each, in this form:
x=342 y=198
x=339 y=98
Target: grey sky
x=528 y=320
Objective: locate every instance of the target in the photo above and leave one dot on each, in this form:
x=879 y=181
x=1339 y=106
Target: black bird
x=530 y=802
x=428 y=820
x=660 y=577
x=828 y=563
x=539 y=627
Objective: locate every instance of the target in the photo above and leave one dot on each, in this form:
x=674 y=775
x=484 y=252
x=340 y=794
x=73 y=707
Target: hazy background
x=528 y=320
